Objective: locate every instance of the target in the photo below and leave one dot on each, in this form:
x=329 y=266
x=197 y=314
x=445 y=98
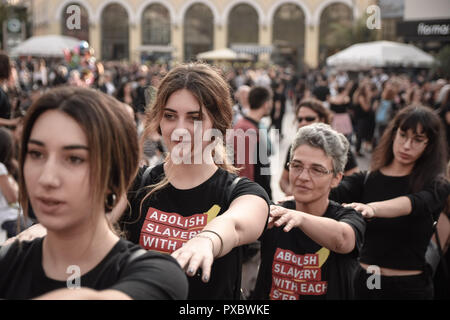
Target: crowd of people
x=108 y=157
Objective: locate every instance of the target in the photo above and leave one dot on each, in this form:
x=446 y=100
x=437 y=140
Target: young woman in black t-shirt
x=79 y=152
x=403 y=193
x=190 y=207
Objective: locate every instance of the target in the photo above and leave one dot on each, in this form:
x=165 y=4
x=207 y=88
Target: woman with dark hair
x=5 y=105
x=403 y=194
x=193 y=205
x=340 y=107
x=79 y=153
x=363 y=116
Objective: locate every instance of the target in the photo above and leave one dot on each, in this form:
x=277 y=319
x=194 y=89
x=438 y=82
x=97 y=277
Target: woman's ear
x=336 y=179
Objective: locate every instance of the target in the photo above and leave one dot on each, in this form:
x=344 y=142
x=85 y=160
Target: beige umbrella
x=45 y=46
x=223 y=54
x=380 y=54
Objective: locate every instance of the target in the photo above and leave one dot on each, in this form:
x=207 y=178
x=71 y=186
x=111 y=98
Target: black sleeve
x=153 y=276
x=246 y=186
x=431 y=200
x=350 y=189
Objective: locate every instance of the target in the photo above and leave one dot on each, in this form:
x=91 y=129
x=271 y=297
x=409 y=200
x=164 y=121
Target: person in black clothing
x=279 y=107
x=72 y=137
x=5 y=105
x=193 y=206
x=403 y=194
x=311 y=250
x=321 y=91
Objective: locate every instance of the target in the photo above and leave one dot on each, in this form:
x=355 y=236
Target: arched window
x=115 y=36
x=335 y=29
x=156 y=25
x=198 y=30
x=243 y=25
x=75 y=21
x=288 y=35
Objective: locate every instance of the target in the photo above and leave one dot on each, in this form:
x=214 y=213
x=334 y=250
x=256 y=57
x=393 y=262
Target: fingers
x=195 y=254
x=276 y=211
x=365 y=210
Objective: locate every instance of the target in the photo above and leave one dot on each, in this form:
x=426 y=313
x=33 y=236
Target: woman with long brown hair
x=193 y=206
x=79 y=153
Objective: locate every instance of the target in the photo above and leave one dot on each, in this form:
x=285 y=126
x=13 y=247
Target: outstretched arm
x=83 y=294
x=397 y=207
x=242 y=223
x=334 y=235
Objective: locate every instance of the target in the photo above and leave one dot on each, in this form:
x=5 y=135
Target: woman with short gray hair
x=310 y=248
x=322 y=136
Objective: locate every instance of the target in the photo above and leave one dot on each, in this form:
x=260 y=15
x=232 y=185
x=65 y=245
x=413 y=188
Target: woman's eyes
x=170 y=116
x=72 y=159
x=75 y=160
x=34 y=154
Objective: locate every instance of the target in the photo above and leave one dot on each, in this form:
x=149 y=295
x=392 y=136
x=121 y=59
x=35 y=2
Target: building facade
x=281 y=30
x=425 y=26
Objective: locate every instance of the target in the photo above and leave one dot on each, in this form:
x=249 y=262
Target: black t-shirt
x=148 y=276
x=401 y=242
x=294 y=267
x=172 y=216
x=321 y=92
x=5 y=106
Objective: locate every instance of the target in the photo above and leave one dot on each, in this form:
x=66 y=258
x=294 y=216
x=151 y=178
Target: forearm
x=243 y=223
x=397 y=207
x=224 y=236
x=329 y=233
x=83 y=294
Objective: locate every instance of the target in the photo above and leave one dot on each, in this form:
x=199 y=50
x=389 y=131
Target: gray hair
x=322 y=136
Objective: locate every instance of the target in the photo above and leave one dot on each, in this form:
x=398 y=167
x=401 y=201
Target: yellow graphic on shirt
x=294 y=275
x=168 y=231
x=213 y=212
x=323 y=254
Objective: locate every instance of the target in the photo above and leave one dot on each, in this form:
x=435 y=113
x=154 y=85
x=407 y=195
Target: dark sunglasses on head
x=307 y=119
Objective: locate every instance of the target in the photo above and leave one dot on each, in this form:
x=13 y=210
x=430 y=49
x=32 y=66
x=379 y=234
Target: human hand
x=31 y=233
x=197 y=253
x=280 y=216
x=366 y=210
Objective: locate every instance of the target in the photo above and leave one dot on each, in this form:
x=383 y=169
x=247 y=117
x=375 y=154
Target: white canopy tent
x=223 y=54
x=380 y=54
x=50 y=46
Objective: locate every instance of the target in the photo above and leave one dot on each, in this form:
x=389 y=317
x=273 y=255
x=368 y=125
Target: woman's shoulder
x=237 y=186
x=17 y=251
x=153 y=269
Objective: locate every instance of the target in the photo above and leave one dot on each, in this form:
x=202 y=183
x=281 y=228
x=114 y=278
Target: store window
x=335 y=30
x=198 y=31
x=243 y=25
x=288 y=35
x=156 y=25
x=115 y=33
